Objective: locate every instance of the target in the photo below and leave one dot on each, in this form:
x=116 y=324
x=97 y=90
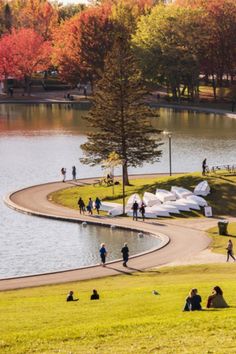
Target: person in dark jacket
x=97 y=204
x=193 y=301
x=74 y=173
x=204 y=166
x=103 y=254
x=125 y=253
x=135 y=210
x=142 y=210
x=95 y=295
x=70 y=296
x=81 y=205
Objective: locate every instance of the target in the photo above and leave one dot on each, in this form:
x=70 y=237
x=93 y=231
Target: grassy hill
x=222 y=197
x=127 y=319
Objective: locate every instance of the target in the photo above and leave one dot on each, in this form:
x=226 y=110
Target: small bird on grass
x=155 y=292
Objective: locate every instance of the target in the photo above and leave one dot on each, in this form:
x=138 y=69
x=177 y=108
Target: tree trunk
x=183 y=90
x=214 y=86
x=126 y=176
x=28 y=85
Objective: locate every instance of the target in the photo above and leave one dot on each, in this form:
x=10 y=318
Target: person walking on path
x=81 y=205
x=90 y=206
x=125 y=253
x=204 y=165
x=135 y=210
x=142 y=210
x=97 y=204
x=103 y=254
x=63 y=172
x=229 y=249
x=74 y=173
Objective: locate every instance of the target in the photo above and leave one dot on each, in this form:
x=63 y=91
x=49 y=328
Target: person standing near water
x=90 y=206
x=74 y=173
x=135 y=210
x=97 y=204
x=81 y=206
x=142 y=210
x=63 y=172
x=103 y=254
x=125 y=253
x=204 y=165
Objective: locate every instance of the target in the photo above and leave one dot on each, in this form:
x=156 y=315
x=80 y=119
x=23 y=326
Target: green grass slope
x=127 y=319
x=222 y=197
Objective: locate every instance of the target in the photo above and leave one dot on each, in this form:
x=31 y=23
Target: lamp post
x=123 y=186
x=169 y=134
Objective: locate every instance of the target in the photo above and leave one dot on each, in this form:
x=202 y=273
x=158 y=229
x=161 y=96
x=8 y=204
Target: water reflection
x=38 y=117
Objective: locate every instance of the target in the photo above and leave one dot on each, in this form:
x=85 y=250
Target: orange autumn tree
x=28 y=53
x=39 y=15
x=81 y=44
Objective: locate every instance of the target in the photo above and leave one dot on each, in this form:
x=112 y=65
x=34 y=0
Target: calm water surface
x=37 y=140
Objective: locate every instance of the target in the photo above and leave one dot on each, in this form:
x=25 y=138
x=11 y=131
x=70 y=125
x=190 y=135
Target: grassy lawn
x=127 y=319
x=222 y=197
x=219 y=242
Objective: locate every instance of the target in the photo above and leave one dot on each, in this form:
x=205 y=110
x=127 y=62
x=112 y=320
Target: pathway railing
x=225 y=168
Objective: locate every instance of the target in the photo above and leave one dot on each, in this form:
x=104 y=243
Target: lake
x=37 y=140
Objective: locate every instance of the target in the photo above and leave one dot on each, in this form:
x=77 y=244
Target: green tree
x=65 y=12
x=168 y=43
x=120 y=116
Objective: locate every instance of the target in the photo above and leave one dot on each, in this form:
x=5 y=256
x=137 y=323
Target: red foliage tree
x=24 y=52
x=7 y=67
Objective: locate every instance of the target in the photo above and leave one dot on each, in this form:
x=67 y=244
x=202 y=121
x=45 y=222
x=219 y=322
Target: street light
x=123 y=186
x=169 y=134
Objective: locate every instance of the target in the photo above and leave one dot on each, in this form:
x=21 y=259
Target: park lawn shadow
x=222 y=197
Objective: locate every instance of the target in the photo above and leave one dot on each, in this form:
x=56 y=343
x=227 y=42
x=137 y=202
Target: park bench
x=104 y=181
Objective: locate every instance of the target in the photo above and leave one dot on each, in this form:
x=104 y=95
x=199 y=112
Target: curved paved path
x=188 y=241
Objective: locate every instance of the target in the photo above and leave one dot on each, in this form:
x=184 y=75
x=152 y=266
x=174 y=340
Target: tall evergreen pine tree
x=119 y=114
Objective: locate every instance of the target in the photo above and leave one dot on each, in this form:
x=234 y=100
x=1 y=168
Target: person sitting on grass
x=216 y=300
x=95 y=295
x=70 y=296
x=109 y=180
x=193 y=301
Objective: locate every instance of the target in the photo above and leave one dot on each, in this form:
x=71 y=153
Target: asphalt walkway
x=184 y=239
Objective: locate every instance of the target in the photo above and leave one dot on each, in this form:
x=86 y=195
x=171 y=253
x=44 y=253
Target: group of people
x=215 y=300
x=90 y=206
x=124 y=251
x=63 y=173
x=94 y=296
x=136 y=208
